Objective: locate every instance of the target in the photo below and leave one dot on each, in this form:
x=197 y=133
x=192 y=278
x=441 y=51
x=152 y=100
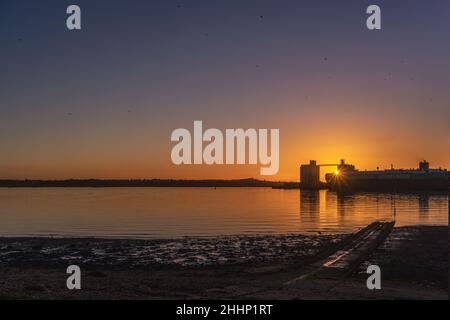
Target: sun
x=336 y=173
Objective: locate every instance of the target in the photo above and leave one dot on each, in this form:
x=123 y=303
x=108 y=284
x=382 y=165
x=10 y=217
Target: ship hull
x=389 y=183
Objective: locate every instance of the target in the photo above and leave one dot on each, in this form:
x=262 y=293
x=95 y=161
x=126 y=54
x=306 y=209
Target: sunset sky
x=102 y=102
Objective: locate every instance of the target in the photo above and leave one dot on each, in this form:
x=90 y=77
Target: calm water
x=175 y=212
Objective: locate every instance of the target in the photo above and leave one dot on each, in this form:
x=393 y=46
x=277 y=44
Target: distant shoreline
x=100 y=183
x=181 y=183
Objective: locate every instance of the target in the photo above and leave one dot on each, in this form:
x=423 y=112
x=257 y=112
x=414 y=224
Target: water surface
x=178 y=212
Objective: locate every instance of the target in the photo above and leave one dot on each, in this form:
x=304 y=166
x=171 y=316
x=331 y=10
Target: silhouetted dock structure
x=348 y=179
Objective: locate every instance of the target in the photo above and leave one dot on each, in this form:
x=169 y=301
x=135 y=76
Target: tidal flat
x=414 y=262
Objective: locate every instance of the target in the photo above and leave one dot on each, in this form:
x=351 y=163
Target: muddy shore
x=414 y=262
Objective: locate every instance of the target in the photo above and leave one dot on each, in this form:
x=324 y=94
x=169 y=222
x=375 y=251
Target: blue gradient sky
x=102 y=102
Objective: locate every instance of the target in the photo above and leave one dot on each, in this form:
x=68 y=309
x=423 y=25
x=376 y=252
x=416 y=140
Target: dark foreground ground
x=413 y=260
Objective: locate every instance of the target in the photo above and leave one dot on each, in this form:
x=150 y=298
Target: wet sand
x=414 y=263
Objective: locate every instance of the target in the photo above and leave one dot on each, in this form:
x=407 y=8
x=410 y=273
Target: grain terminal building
x=310 y=175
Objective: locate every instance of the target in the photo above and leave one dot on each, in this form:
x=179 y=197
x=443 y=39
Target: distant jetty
x=100 y=183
